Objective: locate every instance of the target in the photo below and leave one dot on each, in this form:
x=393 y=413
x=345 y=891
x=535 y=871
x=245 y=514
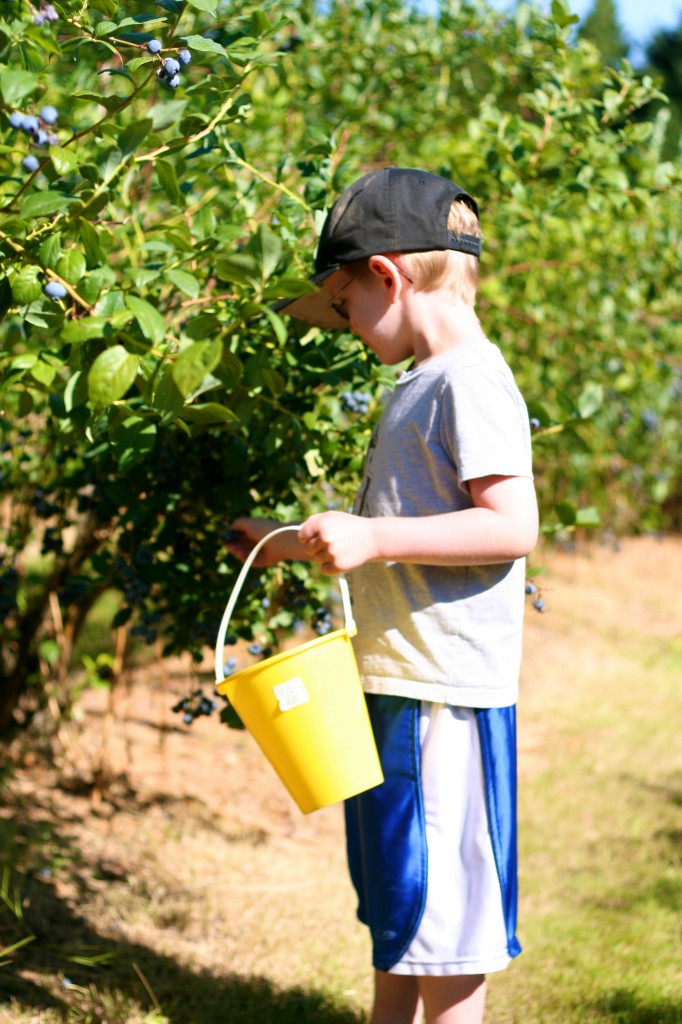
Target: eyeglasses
x=340 y=307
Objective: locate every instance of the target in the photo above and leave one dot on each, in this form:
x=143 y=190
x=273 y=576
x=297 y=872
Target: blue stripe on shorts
x=385 y=826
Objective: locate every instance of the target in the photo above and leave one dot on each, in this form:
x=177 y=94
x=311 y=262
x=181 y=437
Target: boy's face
x=367 y=299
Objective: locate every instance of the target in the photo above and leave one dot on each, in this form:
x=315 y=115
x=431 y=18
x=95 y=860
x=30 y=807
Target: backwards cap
x=396 y=209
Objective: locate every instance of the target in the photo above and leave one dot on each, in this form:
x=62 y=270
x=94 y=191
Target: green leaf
x=590 y=400
x=267 y=248
x=272 y=380
x=50 y=250
x=131 y=137
x=76 y=391
x=71 y=266
x=43 y=373
x=75 y=331
x=241 y=268
x=588 y=517
x=167 y=398
x=110 y=376
x=202 y=326
x=152 y=324
x=278 y=324
x=165 y=114
x=42 y=204
x=169 y=182
x=208 y=412
x=110 y=304
x=14 y=85
x=313 y=461
x=64 y=159
x=567 y=513
x=105 y=28
x=287 y=288
x=184 y=282
x=24 y=361
x=203 y=45
x=194 y=362
x=26 y=285
x=90 y=240
x=133 y=440
x=205 y=5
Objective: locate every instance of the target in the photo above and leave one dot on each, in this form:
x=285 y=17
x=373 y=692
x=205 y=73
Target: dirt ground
x=180 y=841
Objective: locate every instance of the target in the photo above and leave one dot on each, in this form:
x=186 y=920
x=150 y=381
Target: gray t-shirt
x=448 y=634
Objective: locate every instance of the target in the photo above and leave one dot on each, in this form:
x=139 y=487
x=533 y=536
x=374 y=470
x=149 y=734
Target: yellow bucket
x=306 y=710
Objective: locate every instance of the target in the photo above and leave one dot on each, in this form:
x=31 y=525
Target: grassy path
x=221 y=904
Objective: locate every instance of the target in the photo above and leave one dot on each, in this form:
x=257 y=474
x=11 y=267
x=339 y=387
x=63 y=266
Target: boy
x=445 y=514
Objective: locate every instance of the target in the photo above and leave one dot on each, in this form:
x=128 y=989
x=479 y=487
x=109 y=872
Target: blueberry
x=31 y=163
x=231 y=536
x=154 y=46
x=171 y=66
x=539 y=605
x=29 y=124
x=49 y=115
x=255 y=649
x=16 y=119
x=51 y=14
x=39 y=18
x=531 y=588
x=41 y=138
x=53 y=289
x=184 y=56
x=174 y=82
x=534 y=423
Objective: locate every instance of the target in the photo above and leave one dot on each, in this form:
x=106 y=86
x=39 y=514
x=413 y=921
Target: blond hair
x=455 y=271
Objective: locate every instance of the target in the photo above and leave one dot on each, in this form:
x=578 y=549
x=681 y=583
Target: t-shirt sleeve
x=484 y=425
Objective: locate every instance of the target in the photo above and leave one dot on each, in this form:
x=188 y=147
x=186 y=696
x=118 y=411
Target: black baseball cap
x=396 y=209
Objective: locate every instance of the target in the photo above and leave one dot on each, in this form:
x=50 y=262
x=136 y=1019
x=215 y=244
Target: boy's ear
x=385 y=269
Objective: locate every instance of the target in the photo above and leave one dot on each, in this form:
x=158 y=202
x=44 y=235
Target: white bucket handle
x=349 y=623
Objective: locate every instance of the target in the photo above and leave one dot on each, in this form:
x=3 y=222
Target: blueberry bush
x=164 y=170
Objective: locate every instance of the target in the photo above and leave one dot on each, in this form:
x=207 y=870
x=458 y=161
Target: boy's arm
x=502 y=526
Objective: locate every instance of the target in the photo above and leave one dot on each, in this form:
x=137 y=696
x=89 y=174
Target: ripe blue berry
x=184 y=56
x=54 y=290
x=41 y=137
x=30 y=163
x=171 y=66
x=16 y=119
x=49 y=115
x=539 y=605
x=29 y=124
x=531 y=588
x=154 y=46
x=174 y=82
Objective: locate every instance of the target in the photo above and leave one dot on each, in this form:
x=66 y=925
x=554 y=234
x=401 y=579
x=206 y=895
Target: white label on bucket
x=291 y=693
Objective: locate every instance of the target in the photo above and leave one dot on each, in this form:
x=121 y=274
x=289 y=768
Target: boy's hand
x=245 y=533
x=339 y=541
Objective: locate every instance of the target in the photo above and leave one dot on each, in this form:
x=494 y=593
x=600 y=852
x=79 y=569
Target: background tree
x=149 y=393
x=664 y=57
x=602 y=28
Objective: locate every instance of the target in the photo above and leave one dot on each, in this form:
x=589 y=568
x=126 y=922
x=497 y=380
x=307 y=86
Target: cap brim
x=313 y=307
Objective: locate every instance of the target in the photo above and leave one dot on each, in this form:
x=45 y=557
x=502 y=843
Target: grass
x=195 y=893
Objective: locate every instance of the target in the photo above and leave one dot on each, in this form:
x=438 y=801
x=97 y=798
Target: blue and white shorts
x=432 y=851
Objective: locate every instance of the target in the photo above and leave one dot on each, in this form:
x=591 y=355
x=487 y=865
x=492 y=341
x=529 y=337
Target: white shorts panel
x=462 y=930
